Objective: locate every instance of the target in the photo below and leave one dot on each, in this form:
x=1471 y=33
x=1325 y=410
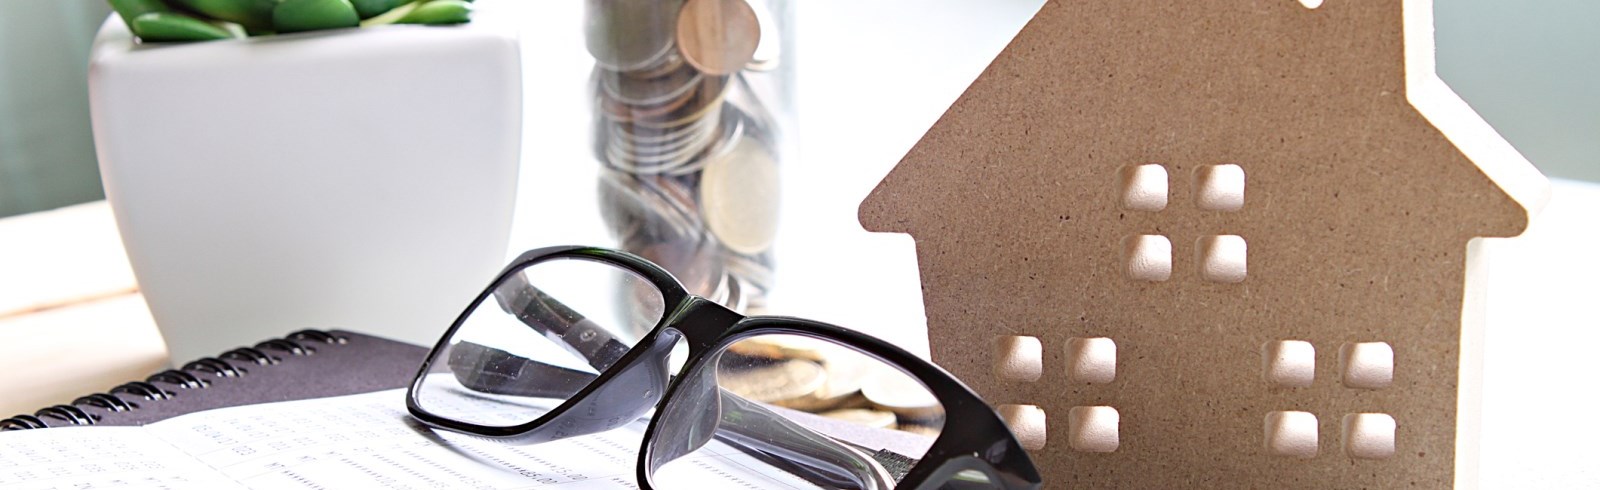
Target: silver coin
x=773 y=382
x=708 y=97
x=685 y=160
x=626 y=35
x=654 y=207
x=739 y=197
x=892 y=390
x=665 y=159
x=846 y=370
x=648 y=91
x=668 y=144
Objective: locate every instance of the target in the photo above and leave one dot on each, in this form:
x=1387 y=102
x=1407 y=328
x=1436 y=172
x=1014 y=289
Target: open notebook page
x=356 y=441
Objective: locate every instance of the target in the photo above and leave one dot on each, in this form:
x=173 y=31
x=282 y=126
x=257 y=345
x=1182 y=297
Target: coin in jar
x=767 y=53
x=649 y=91
x=625 y=35
x=718 y=36
x=739 y=197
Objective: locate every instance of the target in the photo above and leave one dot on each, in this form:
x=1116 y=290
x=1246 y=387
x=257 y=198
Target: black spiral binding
x=300 y=343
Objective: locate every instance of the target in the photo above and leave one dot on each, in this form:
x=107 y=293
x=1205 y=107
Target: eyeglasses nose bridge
x=702 y=323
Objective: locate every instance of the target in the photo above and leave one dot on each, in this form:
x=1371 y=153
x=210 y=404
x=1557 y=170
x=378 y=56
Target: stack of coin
x=689 y=173
x=832 y=381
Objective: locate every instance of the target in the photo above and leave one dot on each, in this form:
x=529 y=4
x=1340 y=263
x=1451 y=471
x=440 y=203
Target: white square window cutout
x=1093 y=429
x=1143 y=187
x=1366 y=365
x=1219 y=187
x=1292 y=434
x=1027 y=423
x=1091 y=360
x=1147 y=257
x=1222 y=258
x=1288 y=363
x=1018 y=358
x=1369 y=435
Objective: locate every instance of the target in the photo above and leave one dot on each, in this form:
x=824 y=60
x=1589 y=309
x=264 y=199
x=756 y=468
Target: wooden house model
x=1215 y=244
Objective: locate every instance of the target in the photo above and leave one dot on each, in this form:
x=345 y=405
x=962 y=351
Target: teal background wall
x=46 y=152
x=1530 y=67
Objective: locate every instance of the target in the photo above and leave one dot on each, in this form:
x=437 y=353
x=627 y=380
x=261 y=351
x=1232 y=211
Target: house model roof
x=1215 y=243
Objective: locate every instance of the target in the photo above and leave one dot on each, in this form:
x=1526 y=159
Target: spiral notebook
x=314 y=410
x=305 y=364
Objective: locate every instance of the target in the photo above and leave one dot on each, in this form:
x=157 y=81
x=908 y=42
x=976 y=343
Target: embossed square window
x=1219 y=187
x=1222 y=258
x=1366 y=365
x=1143 y=187
x=1369 y=435
x=1091 y=360
x=1018 y=358
x=1027 y=422
x=1292 y=434
x=1093 y=429
x=1288 y=363
x=1147 y=257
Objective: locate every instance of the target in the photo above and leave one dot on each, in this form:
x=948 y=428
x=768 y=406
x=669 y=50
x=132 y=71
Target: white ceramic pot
x=360 y=178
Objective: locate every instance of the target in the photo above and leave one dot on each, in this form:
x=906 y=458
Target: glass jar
x=691 y=119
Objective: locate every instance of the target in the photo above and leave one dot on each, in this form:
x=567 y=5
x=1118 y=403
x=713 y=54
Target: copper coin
x=718 y=36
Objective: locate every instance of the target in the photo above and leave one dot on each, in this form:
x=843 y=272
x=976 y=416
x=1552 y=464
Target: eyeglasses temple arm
x=754 y=427
x=749 y=426
x=489 y=370
x=557 y=322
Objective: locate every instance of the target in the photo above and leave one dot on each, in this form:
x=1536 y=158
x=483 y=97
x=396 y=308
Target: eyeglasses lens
x=794 y=412
x=545 y=333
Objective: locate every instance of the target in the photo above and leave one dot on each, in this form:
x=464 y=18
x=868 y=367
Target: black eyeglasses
x=584 y=340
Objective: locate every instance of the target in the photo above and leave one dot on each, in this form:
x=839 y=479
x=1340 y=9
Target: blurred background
x=1529 y=68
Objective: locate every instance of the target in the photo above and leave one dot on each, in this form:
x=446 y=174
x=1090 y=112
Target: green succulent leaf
x=131 y=9
x=372 y=8
x=253 y=13
x=439 y=12
x=392 y=16
x=311 y=15
x=169 y=26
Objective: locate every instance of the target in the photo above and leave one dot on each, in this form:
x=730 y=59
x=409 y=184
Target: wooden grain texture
x=1358 y=212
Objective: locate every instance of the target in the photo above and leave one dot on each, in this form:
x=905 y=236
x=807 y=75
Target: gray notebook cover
x=358 y=364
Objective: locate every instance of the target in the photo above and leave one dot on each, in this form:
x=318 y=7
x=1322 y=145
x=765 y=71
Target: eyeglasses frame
x=973 y=437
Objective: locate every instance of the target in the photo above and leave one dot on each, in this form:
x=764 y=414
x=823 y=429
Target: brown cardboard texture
x=1242 y=236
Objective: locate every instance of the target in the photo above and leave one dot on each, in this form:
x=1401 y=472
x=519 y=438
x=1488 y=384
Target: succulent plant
x=205 y=20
